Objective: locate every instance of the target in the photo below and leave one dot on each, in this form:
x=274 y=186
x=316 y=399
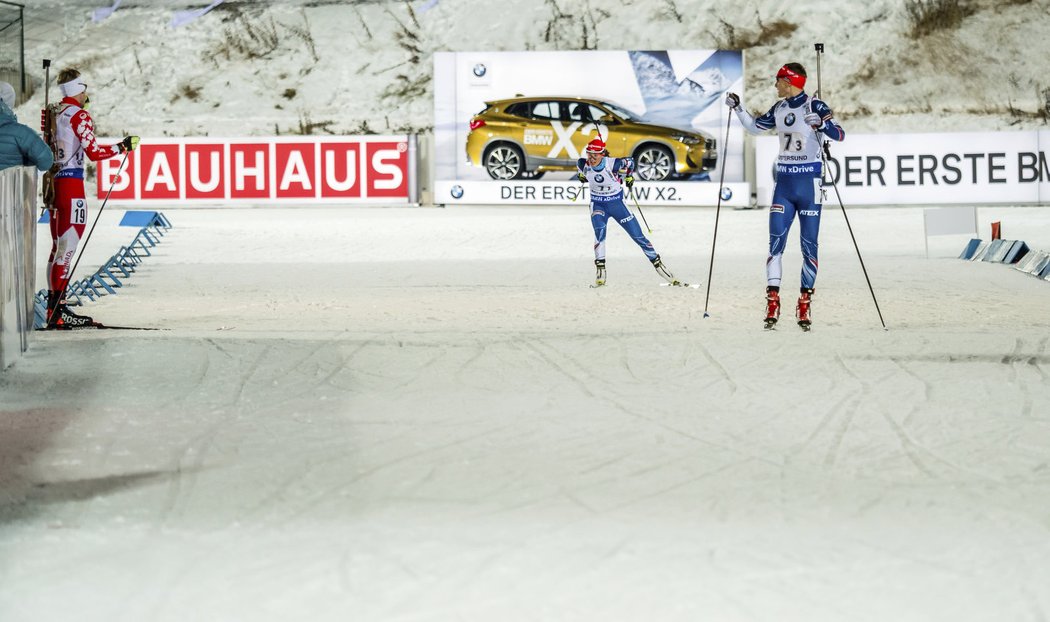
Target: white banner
x=671 y=194
x=928 y=169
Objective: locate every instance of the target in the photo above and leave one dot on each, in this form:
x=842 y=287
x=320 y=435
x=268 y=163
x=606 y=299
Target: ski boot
x=802 y=311
x=67 y=320
x=599 y=276
x=662 y=270
x=772 y=306
x=54 y=301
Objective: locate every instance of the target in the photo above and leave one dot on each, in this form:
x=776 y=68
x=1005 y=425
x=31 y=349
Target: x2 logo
x=564 y=135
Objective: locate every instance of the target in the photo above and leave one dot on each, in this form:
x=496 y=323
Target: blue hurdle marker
x=152 y=226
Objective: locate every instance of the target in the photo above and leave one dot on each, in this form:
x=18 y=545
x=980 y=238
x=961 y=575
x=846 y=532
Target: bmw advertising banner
x=927 y=169
x=510 y=126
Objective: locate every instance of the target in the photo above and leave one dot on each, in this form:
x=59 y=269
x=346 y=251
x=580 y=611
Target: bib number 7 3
x=793 y=141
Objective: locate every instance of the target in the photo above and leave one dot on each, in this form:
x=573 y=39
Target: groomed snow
x=412 y=414
x=425 y=414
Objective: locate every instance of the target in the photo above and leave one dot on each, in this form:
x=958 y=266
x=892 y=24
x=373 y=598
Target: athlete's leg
x=781 y=215
x=67 y=227
x=619 y=211
x=809 y=230
x=599 y=221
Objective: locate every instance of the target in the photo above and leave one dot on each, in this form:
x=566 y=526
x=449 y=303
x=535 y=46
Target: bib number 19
x=79 y=215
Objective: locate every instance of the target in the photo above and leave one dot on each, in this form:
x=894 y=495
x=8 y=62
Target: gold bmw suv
x=524 y=137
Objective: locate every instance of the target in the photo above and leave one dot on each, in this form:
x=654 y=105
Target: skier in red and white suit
x=74 y=138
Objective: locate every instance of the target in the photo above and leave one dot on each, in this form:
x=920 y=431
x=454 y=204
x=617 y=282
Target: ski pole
x=718 y=209
x=638 y=207
x=825 y=155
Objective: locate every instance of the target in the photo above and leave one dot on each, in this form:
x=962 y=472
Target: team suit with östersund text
x=798 y=178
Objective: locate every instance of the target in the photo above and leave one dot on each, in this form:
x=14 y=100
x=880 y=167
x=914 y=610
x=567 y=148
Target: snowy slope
x=259 y=68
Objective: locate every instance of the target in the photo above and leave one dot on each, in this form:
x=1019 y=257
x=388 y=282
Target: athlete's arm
x=830 y=127
x=84 y=128
x=766 y=122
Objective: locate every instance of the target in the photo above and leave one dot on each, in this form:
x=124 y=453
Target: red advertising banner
x=341 y=169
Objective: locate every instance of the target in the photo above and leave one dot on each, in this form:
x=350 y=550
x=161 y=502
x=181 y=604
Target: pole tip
x=706 y=314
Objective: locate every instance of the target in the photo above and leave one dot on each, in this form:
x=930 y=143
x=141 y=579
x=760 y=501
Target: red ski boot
x=772 y=306
x=802 y=311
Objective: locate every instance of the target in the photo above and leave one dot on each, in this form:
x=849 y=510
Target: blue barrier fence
x=1010 y=252
x=111 y=275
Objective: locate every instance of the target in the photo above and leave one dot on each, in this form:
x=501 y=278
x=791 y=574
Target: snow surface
x=426 y=414
x=411 y=414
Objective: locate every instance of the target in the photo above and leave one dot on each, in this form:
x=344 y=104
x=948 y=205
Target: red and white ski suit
x=74 y=137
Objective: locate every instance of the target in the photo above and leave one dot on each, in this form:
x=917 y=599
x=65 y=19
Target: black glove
x=629 y=180
x=129 y=143
x=733 y=101
x=581 y=177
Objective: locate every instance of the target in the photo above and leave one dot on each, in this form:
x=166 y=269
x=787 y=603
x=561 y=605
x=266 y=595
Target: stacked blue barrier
x=108 y=278
x=1011 y=252
x=1037 y=264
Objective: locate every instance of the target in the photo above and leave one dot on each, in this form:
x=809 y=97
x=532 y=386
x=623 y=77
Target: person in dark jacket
x=19 y=145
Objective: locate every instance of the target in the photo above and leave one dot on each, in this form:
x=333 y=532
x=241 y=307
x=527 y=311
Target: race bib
x=78 y=212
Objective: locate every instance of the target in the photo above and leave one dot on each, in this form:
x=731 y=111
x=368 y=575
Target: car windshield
x=627 y=115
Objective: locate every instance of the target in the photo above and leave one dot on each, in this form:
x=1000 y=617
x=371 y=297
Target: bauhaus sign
x=370 y=169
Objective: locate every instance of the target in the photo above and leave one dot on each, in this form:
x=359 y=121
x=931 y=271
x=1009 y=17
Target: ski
x=98 y=326
x=681 y=284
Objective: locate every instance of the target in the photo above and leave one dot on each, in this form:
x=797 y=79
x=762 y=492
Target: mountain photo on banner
x=677 y=87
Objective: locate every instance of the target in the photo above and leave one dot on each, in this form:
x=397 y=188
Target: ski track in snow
x=417 y=430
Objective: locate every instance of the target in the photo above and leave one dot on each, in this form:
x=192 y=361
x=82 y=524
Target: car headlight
x=687 y=140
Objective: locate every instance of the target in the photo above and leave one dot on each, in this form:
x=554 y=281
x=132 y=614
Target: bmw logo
x=479 y=70
x=726 y=194
x=599 y=178
x=790 y=119
x=457 y=192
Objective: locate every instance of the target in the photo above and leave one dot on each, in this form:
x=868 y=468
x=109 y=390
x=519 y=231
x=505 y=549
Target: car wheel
x=504 y=161
x=654 y=163
x=533 y=175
